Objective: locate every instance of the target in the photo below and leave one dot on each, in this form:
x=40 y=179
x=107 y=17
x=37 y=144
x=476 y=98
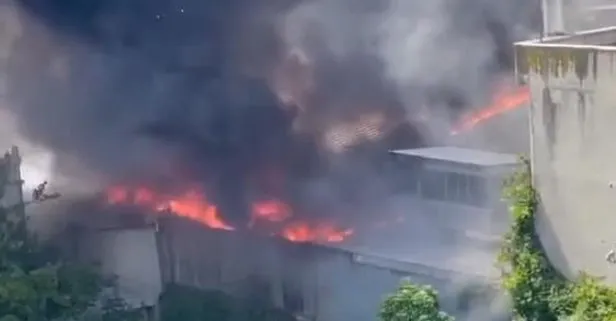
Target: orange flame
x=193 y=205
x=271 y=210
x=117 y=195
x=505 y=100
x=190 y=204
x=302 y=232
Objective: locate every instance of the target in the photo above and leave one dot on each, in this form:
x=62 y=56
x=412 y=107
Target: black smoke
x=163 y=88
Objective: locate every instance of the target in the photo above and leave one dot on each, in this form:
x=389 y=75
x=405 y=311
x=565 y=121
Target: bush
x=413 y=302
x=538 y=292
x=37 y=285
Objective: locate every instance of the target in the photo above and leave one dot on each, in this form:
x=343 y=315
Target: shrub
x=538 y=292
x=413 y=302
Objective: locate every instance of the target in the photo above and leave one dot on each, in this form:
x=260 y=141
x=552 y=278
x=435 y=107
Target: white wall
x=131 y=256
x=331 y=283
x=573 y=117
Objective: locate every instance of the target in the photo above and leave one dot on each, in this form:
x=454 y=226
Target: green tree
x=35 y=284
x=413 y=302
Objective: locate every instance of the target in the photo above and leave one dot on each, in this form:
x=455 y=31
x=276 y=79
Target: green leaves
x=413 y=303
x=537 y=290
x=36 y=285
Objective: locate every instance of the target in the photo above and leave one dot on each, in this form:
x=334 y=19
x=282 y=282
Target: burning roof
x=243 y=114
x=272 y=216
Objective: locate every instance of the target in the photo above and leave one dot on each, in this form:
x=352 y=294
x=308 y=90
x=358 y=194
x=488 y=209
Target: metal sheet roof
x=460 y=155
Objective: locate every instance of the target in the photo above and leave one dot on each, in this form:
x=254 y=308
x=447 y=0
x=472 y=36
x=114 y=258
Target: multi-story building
x=451 y=222
x=572 y=116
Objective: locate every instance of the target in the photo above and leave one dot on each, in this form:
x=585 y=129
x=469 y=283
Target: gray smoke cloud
x=175 y=88
x=231 y=92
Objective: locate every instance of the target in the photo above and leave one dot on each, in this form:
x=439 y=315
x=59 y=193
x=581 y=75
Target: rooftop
x=460 y=155
x=602 y=37
x=568 y=56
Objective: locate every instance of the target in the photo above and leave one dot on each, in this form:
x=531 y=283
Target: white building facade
x=573 y=156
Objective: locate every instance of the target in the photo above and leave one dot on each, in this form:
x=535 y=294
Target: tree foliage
x=413 y=302
x=537 y=290
x=37 y=285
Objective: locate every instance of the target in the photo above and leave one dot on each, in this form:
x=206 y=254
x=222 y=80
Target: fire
x=303 y=232
x=506 y=99
x=117 y=195
x=271 y=210
x=191 y=204
x=195 y=206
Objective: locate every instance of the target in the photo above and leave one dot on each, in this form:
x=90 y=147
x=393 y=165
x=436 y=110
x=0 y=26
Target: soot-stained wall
x=572 y=81
x=319 y=282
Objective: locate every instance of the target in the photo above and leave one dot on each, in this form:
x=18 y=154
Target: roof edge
x=599 y=39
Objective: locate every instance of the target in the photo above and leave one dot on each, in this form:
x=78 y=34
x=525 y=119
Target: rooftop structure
x=460 y=155
x=573 y=155
x=452 y=217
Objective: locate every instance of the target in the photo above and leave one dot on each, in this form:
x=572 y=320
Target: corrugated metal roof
x=460 y=155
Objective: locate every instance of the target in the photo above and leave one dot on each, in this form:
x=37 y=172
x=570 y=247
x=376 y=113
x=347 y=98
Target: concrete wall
x=130 y=256
x=318 y=282
x=325 y=283
x=573 y=116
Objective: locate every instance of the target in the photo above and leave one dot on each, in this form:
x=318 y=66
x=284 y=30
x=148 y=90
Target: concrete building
x=572 y=116
x=461 y=186
x=569 y=16
x=11 y=197
x=448 y=199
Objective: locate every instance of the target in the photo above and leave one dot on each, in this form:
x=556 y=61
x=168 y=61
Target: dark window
x=456 y=187
x=476 y=191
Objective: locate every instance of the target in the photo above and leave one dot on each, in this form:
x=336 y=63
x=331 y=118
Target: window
x=458 y=188
x=476 y=191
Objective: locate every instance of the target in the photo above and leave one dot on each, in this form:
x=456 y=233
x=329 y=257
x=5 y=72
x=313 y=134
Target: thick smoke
x=251 y=95
x=176 y=89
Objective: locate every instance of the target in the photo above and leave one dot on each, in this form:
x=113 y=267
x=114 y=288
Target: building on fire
x=447 y=223
x=571 y=80
x=448 y=218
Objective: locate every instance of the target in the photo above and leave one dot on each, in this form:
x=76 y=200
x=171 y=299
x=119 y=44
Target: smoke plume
x=230 y=90
x=293 y=98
